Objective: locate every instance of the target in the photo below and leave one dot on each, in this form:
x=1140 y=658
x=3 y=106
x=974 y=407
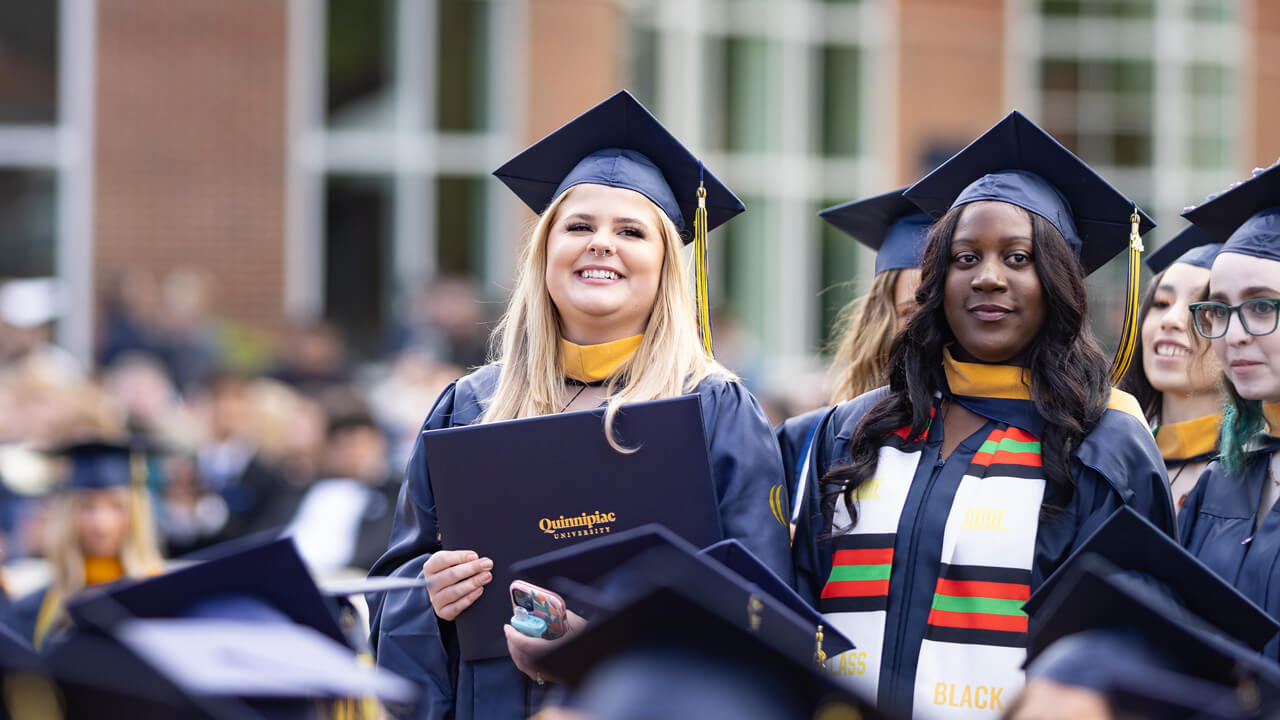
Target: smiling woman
x=1176 y=378
x=604 y=259
x=994 y=302
x=603 y=313
x=994 y=449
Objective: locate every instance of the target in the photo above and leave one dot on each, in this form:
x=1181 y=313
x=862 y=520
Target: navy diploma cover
x=511 y=490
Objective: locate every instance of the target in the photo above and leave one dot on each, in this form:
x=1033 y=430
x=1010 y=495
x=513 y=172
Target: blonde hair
x=139 y=555
x=669 y=362
x=866 y=328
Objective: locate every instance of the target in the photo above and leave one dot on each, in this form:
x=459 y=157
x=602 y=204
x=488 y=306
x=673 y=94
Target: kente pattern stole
x=975 y=638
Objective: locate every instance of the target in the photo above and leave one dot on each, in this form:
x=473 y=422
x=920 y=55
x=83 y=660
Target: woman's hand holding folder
x=455 y=580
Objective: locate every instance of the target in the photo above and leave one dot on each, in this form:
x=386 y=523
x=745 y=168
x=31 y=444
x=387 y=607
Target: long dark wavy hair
x=1069 y=373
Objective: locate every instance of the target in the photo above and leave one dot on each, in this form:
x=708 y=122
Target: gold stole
x=1188 y=439
x=1009 y=382
x=595 y=363
x=1272 y=412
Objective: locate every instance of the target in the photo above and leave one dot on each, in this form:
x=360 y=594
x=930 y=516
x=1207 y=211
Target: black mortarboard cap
x=609 y=572
x=1159 y=694
x=209 y=668
x=619 y=143
x=1095 y=594
x=1193 y=246
x=670 y=654
x=243 y=635
x=1019 y=163
x=1246 y=217
x=272 y=574
x=1130 y=543
x=889 y=223
x=98 y=464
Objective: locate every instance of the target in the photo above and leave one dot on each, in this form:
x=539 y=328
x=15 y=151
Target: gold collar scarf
x=99 y=570
x=1003 y=382
x=595 y=363
x=1189 y=439
x=1271 y=411
x=1009 y=382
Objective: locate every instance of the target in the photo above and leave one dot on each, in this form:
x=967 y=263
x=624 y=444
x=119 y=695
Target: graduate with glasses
x=602 y=314
x=1230 y=521
x=937 y=505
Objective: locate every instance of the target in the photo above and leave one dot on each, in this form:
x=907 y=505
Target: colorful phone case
x=542 y=603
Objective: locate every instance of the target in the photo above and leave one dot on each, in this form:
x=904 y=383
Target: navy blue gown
x=1217 y=524
x=409 y=640
x=1117 y=464
x=795 y=436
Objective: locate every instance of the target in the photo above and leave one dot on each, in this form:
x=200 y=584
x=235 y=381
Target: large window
x=775 y=97
x=46 y=74
x=399 y=122
x=1147 y=92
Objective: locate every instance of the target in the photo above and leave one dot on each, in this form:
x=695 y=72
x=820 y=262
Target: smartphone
x=542 y=603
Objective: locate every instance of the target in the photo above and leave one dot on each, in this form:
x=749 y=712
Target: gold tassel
x=1129 y=333
x=138 y=506
x=700 y=269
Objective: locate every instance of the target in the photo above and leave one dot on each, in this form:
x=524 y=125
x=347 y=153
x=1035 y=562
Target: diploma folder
x=514 y=489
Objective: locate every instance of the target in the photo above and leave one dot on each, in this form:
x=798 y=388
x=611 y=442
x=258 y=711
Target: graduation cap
x=1130 y=543
x=99 y=464
x=274 y=574
x=619 y=143
x=1245 y=217
x=607 y=573
x=889 y=223
x=1019 y=163
x=1096 y=594
x=1193 y=246
x=669 y=653
x=249 y=630
x=1159 y=694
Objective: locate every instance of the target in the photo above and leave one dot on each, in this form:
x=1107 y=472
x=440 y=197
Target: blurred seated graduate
x=100 y=530
x=1133 y=625
x=935 y=506
x=244 y=635
x=897 y=230
x=1175 y=377
x=1230 y=521
x=602 y=314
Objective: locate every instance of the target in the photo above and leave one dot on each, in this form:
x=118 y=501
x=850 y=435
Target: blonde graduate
x=602 y=315
x=668 y=362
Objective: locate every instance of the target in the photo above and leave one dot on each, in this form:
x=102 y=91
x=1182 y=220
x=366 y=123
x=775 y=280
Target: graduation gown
x=794 y=436
x=22 y=614
x=1217 y=524
x=409 y=640
x=1116 y=464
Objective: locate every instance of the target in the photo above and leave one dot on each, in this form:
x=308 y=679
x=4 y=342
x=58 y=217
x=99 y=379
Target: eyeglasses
x=1257 y=317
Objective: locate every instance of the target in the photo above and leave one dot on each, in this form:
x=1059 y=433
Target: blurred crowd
x=257 y=433
x=285 y=432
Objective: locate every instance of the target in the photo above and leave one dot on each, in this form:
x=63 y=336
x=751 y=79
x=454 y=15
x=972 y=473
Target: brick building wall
x=1265 y=62
x=190 y=146
x=575 y=59
x=950 y=76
